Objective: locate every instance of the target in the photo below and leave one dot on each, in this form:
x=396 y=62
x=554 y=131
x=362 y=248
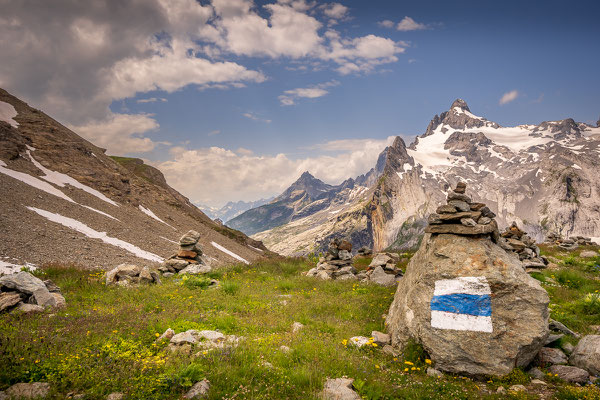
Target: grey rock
x=553 y=338
x=460 y=205
x=519 y=307
x=194 y=269
x=381 y=338
x=379 y=277
x=358 y=341
x=346 y=277
x=51 y=286
x=468 y=222
x=168 y=274
x=453 y=196
x=446 y=209
x=434 y=219
x=187 y=337
x=146 y=276
x=345 y=255
x=551 y=356
x=312 y=272
x=345 y=270
x=559 y=326
x=198 y=391
x=484 y=220
x=323 y=275
x=115 y=396
x=536 y=373
x=168 y=334
x=588 y=254
x=59 y=299
x=35 y=390
x=23 y=282
x=568 y=348
x=297 y=327
x=518 y=388
x=121 y=273
x=9 y=300
x=189 y=239
x=570 y=374
x=500 y=390
x=538 y=382
x=434 y=372
x=339 y=389
x=380 y=260
x=586 y=354
x=29 y=308
x=461 y=186
x=389 y=350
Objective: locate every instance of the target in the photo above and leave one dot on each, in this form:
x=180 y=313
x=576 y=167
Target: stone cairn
x=519 y=242
x=337 y=264
x=26 y=293
x=461 y=216
x=189 y=258
x=568 y=243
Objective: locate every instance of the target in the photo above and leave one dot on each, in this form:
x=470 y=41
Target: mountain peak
x=460 y=103
x=306 y=175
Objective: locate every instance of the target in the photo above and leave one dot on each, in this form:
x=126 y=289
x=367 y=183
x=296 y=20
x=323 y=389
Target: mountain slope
x=232 y=209
x=541 y=176
x=65 y=200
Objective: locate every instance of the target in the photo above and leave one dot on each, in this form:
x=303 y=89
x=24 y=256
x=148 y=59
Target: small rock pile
x=190 y=340
x=130 y=274
x=26 y=293
x=461 y=216
x=568 y=243
x=337 y=263
x=514 y=239
x=189 y=258
x=365 y=251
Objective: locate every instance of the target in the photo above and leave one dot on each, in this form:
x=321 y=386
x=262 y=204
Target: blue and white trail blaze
x=462 y=304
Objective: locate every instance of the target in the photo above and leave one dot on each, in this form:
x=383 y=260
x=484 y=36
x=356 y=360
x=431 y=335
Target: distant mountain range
x=64 y=200
x=231 y=209
x=543 y=176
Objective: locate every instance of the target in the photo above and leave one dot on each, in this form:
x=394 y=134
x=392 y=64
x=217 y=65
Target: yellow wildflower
x=408 y=363
x=427 y=361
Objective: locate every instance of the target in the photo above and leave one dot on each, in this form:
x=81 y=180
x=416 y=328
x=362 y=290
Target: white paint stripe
x=231 y=253
x=460 y=322
x=476 y=285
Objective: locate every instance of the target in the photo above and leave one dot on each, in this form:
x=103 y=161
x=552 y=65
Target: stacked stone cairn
x=26 y=293
x=568 y=243
x=519 y=242
x=461 y=216
x=365 y=251
x=337 y=264
x=189 y=258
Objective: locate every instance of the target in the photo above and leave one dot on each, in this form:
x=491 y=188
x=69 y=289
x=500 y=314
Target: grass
x=104 y=341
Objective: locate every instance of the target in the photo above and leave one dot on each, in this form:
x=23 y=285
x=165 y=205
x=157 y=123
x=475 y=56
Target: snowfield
x=7 y=113
x=231 y=253
x=91 y=233
x=149 y=213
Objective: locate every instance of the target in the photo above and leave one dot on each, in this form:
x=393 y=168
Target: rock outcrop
x=129 y=274
x=467 y=301
x=24 y=292
x=569 y=243
x=586 y=354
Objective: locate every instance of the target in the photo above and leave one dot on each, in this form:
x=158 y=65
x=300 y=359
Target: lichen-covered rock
x=586 y=354
x=570 y=374
x=23 y=282
x=34 y=390
x=339 y=389
x=471 y=305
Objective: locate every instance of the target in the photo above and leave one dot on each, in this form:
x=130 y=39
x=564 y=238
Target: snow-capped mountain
x=232 y=209
x=542 y=176
x=64 y=200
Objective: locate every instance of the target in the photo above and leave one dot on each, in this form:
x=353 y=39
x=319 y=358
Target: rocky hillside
x=541 y=176
x=64 y=200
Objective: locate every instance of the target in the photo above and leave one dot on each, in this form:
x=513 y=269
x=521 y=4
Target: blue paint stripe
x=460 y=303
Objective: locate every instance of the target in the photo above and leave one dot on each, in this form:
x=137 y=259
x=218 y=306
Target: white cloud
x=213 y=133
x=409 y=24
x=152 y=100
x=386 y=23
x=289 y=97
x=222 y=175
x=120 y=133
x=335 y=10
x=508 y=97
x=253 y=117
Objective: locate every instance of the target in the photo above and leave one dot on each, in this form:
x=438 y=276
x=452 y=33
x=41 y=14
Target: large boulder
x=22 y=282
x=586 y=354
x=471 y=305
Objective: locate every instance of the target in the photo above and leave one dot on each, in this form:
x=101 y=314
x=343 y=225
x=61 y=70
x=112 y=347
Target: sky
x=234 y=99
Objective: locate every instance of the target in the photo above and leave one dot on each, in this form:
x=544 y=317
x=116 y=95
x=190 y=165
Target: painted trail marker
x=462 y=304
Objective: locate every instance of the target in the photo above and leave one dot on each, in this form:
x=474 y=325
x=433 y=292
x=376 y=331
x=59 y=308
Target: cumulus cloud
x=120 y=131
x=152 y=100
x=508 y=97
x=254 y=117
x=409 y=24
x=219 y=172
x=386 y=23
x=289 y=97
x=74 y=59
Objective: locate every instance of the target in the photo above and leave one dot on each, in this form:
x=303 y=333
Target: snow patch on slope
x=91 y=233
x=149 y=213
x=231 y=253
x=7 y=268
x=7 y=113
x=33 y=181
x=60 y=179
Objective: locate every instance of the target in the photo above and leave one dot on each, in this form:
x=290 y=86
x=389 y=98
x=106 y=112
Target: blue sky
x=272 y=95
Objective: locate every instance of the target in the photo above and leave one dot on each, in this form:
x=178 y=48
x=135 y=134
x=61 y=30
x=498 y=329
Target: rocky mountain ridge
x=232 y=209
x=541 y=176
x=64 y=200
